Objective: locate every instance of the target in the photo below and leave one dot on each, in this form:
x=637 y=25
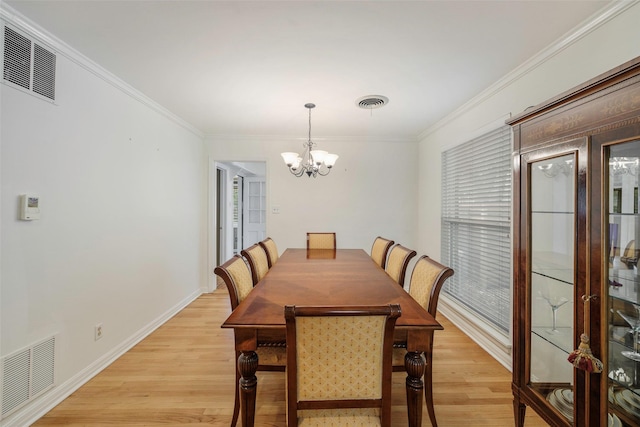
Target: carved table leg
x=414 y=364
x=247 y=366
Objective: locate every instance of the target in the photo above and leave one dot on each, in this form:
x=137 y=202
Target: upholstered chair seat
x=339 y=417
x=268 y=355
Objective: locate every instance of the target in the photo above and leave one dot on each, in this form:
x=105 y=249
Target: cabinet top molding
x=609 y=78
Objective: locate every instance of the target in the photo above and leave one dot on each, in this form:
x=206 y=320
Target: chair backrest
x=398 y=261
x=321 y=240
x=257 y=258
x=271 y=249
x=427 y=279
x=236 y=275
x=339 y=362
x=380 y=249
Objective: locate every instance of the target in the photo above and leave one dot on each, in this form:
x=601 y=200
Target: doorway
x=240 y=207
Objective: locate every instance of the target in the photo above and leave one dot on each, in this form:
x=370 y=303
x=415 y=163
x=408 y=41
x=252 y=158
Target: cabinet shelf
x=553 y=265
x=552 y=212
x=564 y=276
x=626 y=403
x=562 y=340
x=617 y=361
x=624 y=285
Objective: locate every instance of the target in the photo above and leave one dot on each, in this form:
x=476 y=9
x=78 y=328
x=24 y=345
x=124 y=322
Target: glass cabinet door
x=553 y=244
x=623 y=302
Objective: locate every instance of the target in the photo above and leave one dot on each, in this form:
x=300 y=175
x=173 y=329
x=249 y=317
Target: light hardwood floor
x=183 y=374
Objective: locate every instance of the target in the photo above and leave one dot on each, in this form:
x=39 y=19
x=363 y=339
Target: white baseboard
x=476 y=328
x=39 y=407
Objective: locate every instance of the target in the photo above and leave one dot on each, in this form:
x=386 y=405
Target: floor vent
x=28 y=65
x=26 y=374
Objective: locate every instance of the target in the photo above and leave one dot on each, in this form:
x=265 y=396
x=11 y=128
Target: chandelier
x=311 y=162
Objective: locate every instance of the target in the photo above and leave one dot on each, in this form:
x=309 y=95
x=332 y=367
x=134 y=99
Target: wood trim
x=609 y=78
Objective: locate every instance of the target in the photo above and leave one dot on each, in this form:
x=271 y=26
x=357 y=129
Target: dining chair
x=380 y=249
x=321 y=240
x=425 y=284
x=270 y=249
x=272 y=355
x=339 y=365
x=258 y=262
x=398 y=261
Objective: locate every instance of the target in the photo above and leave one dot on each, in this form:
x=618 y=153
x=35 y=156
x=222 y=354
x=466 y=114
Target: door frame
x=220 y=239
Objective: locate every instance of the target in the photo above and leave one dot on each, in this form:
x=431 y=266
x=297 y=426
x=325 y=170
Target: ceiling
x=248 y=67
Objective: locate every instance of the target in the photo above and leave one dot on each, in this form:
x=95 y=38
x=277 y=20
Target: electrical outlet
x=98 y=331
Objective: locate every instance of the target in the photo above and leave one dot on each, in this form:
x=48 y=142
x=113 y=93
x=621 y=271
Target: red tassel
x=582 y=358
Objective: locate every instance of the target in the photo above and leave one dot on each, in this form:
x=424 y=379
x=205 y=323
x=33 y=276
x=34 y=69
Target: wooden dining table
x=327 y=277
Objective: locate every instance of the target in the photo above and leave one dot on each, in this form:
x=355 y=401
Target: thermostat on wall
x=29 y=207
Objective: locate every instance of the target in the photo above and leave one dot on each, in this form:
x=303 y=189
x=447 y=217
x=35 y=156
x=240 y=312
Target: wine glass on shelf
x=634 y=322
x=555 y=301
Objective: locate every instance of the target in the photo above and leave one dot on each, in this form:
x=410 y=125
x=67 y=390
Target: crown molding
x=19 y=21
x=597 y=20
x=322 y=139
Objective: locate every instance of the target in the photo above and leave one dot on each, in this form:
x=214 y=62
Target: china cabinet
x=576 y=248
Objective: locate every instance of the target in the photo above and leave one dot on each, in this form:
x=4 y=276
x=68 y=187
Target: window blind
x=476 y=225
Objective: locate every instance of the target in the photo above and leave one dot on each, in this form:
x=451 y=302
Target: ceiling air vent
x=372 y=101
x=28 y=65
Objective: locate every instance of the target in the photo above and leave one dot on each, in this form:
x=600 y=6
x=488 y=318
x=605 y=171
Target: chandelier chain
x=309 y=124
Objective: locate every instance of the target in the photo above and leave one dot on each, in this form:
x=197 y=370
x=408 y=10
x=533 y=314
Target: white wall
x=562 y=67
x=609 y=42
x=371 y=191
x=121 y=240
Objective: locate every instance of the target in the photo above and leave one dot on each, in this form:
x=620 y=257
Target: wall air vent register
x=28 y=66
x=26 y=374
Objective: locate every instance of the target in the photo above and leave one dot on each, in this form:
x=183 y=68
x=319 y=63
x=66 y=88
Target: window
x=476 y=225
